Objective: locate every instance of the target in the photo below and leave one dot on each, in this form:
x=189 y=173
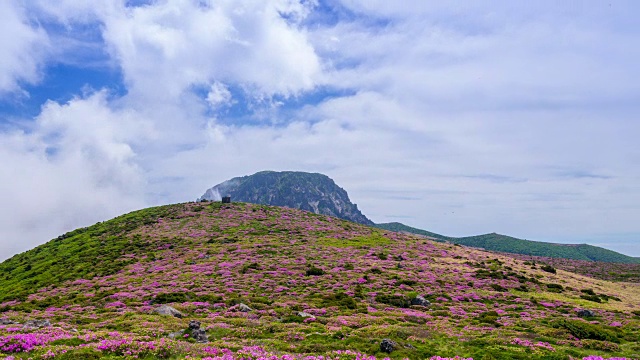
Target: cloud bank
x=460 y=119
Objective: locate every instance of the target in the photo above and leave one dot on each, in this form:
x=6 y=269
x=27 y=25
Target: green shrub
x=489 y=317
x=340 y=299
x=548 y=268
x=588 y=292
x=497 y=287
x=176 y=297
x=406 y=282
x=69 y=342
x=556 y=288
x=594 y=298
x=246 y=267
x=382 y=256
x=314 y=271
x=394 y=300
x=584 y=330
x=600 y=345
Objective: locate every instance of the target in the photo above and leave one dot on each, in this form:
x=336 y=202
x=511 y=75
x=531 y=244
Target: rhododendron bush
x=276 y=283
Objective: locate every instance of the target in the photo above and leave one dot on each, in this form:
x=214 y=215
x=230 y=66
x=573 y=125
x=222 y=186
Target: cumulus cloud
x=218 y=95
x=23 y=47
x=74 y=166
x=167 y=47
x=457 y=119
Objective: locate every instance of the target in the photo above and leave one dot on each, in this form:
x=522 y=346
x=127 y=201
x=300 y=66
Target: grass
x=204 y=259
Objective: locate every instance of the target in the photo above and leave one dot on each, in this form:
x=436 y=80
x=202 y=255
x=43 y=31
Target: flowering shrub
x=208 y=260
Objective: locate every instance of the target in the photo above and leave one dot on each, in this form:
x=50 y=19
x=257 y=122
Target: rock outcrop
x=168 y=310
x=297 y=190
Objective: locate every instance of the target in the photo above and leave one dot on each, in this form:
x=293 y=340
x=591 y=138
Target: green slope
x=508 y=244
x=310 y=285
x=399 y=227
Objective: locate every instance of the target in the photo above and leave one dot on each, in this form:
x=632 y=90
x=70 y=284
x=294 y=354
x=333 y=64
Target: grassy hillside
x=399 y=227
x=503 y=243
x=314 y=285
x=508 y=244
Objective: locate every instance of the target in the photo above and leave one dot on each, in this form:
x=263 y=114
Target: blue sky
x=459 y=118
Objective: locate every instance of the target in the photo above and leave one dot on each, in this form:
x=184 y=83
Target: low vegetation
x=278 y=283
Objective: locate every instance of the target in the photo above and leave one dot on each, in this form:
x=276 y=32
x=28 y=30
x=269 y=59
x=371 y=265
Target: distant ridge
x=508 y=244
x=318 y=193
x=402 y=228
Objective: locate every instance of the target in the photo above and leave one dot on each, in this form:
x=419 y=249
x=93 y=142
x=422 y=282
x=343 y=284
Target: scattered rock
x=198 y=334
x=420 y=300
x=400 y=266
x=305 y=314
x=6 y=321
x=584 y=313
x=168 y=310
x=387 y=345
x=244 y=308
x=36 y=324
x=177 y=334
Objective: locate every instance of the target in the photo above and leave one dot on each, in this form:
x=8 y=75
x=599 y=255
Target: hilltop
x=295 y=189
x=282 y=283
x=320 y=194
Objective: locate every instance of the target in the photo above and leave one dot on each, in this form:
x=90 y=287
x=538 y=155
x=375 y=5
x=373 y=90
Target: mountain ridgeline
x=508 y=244
x=312 y=192
x=319 y=194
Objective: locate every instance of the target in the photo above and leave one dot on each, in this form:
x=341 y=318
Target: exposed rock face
x=420 y=300
x=388 y=346
x=36 y=324
x=168 y=310
x=297 y=190
x=7 y=322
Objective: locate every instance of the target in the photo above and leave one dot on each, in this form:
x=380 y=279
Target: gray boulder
x=6 y=321
x=197 y=333
x=168 y=310
x=420 y=301
x=388 y=345
x=244 y=308
x=584 y=313
x=36 y=324
x=176 y=335
x=306 y=315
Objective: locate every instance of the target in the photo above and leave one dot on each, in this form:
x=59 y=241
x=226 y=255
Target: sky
x=457 y=117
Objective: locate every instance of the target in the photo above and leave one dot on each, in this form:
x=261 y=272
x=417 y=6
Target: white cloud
x=168 y=47
x=73 y=167
x=23 y=47
x=219 y=95
x=458 y=120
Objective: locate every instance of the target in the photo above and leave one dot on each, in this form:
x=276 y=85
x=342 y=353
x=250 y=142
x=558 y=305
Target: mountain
x=279 y=283
x=298 y=190
x=508 y=244
x=319 y=194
